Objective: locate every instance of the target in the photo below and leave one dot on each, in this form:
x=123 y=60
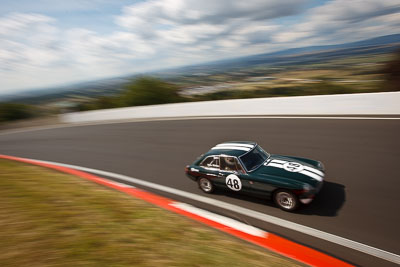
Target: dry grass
x=53 y=219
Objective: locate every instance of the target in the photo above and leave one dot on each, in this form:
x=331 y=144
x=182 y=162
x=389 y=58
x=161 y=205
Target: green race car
x=245 y=167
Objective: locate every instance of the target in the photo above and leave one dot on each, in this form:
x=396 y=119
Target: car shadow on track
x=328 y=202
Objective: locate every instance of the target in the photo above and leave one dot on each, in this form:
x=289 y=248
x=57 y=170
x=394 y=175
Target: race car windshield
x=254 y=158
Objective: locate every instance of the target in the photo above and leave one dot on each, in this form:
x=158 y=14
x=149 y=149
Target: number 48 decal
x=233 y=182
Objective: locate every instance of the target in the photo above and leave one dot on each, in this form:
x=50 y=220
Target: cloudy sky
x=54 y=42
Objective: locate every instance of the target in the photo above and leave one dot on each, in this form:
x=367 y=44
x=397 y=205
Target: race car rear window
x=210 y=162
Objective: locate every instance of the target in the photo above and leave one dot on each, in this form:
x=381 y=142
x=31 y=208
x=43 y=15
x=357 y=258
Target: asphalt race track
x=359 y=201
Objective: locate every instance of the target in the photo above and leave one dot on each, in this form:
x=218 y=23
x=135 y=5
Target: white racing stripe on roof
x=236 y=144
x=232 y=147
x=248 y=229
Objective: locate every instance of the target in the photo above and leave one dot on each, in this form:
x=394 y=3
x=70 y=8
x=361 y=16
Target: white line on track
x=247 y=212
x=67 y=125
x=119 y=184
x=251 y=230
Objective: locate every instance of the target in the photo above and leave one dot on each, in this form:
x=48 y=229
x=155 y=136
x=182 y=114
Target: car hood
x=292 y=168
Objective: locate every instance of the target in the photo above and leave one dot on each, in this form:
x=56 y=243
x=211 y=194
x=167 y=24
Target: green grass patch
x=48 y=218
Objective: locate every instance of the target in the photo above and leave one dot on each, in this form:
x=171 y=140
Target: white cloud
x=34 y=53
x=27 y=41
x=16 y=23
x=343 y=21
x=191 y=20
x=188 y=34
x=213 y=12
x=87 y=47
x=158 y=34
x=205 y=29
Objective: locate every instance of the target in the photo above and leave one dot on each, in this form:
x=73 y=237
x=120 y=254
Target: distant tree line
x=140 y=92
x=149 y=91
x=392 y=72
x=16 y=111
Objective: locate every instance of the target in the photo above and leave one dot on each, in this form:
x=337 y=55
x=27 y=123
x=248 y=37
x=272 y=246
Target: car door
x=209 y=168
x=232 y=176
x=262 y=186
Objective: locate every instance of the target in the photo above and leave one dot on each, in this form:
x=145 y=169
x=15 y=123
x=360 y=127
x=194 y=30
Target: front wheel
x=205 y=185
x=286 y=200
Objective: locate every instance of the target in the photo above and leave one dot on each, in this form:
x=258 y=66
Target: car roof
x=232 y=148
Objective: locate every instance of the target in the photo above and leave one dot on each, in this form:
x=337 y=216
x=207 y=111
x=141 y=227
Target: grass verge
x=48 y=218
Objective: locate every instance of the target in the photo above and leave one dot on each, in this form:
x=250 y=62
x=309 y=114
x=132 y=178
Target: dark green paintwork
x=268 y=177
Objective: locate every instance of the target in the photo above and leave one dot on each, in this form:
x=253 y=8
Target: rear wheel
x=205 y=185
x=286 y=200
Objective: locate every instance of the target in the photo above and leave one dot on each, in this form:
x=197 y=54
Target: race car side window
x=239 y=167
x=210 y=162
x=228 y=164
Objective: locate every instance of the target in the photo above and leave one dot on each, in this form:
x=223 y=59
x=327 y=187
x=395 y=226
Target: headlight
x=321 y=166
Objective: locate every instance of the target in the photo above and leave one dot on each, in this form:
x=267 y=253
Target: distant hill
x=354 y=46
x=302 y=55
x=382 y=40
x=383 y=44
x=88 y=89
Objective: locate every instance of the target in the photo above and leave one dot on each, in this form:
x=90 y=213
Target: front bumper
x=306 y=200
x=308 y=197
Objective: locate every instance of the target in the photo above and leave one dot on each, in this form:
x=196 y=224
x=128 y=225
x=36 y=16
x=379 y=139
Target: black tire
x=286 y=200
x=205 y=185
